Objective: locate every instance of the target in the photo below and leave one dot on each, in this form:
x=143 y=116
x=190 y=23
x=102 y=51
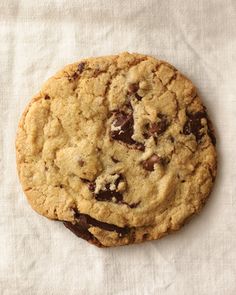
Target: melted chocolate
x=86 y=221
x=79 y=230
x=193 y=124
x=157 y=128
x=138 y=96
x=126 y=130
x=78 y=71
x=107 y=195
x=74 y=76
x=81 y=67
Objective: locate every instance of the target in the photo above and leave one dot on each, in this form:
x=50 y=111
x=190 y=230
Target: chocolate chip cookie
x=118 y=148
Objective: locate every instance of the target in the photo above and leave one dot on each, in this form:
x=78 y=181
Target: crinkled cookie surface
x=120 y=148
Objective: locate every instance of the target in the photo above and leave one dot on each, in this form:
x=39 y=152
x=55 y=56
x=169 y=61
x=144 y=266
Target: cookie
x=118 y=148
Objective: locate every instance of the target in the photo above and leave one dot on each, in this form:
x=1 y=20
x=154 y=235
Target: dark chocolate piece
x=108 y=194
x=74 y=76
x=138 y=96
x=87 y=221
x=125 y=122
x=79 y=70
x=79 y=230
x=81 y=67
x=124 y=134
x=84 y=222
x=157 y=128
x=193 y=124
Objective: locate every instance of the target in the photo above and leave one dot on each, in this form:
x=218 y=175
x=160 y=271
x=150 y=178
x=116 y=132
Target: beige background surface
x=37 y=38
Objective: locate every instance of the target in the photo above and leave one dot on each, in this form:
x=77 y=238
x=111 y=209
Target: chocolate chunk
x=157 y=128
x=74 y=76
x=79 y=70
x=125 y=123
x=118 y=180
x=108 y=194
x=150 y=162
x=154 y=129
x=194 y=125
x=146 y=135
x=47 y=97
x=133 y=88
x=138 y=96
x=81 y=67
x=125 y=129
x=84 y=222
x=81 y=231
x=87 y=221
x=161 y=126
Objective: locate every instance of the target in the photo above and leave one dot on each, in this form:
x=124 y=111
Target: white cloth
x=37 y=38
